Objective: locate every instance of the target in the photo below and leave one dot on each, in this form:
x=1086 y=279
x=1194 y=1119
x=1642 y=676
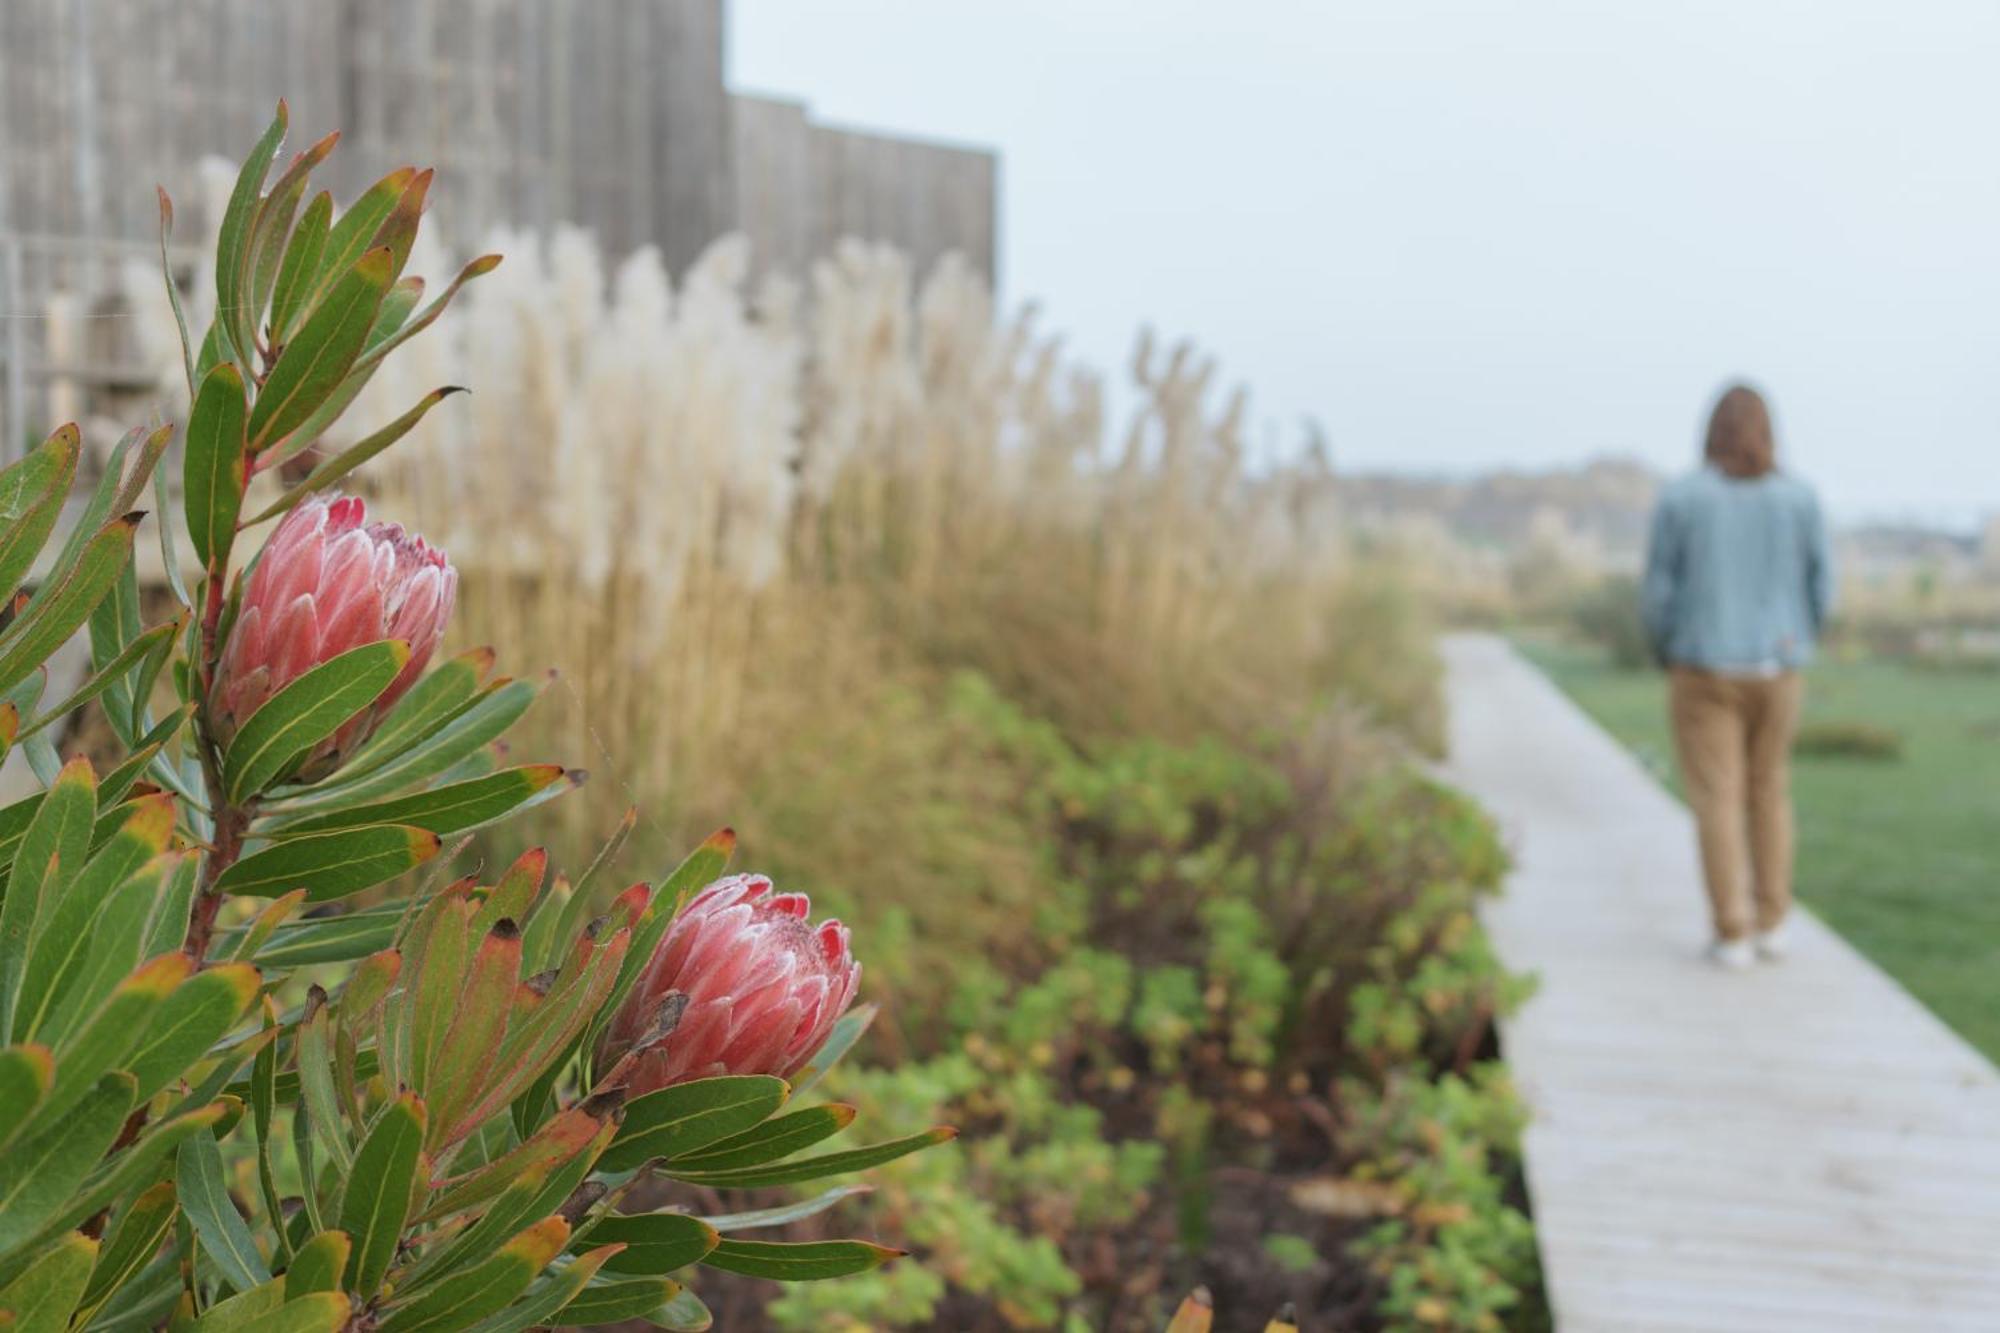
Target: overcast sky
x=1469 y=234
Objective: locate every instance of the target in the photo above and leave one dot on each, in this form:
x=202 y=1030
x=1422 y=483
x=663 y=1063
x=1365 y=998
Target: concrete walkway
x=1799 y=1147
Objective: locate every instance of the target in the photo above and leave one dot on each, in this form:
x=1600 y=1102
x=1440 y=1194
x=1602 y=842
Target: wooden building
x=612 y=114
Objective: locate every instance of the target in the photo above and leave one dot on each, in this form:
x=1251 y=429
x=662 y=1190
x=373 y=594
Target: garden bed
x=1243 y=1038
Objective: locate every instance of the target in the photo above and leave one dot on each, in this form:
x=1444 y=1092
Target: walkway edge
x=1799 y=1147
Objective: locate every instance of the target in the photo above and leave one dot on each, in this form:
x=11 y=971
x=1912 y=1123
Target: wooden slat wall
x=776 y=206
x=801 y=187
x=101 y=98
x=611 y=114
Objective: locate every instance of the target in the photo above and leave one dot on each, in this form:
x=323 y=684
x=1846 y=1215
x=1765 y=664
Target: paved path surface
x=1800 y=1147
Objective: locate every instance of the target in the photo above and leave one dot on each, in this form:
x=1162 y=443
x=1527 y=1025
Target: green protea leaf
x=59 y=948
x=225 y=1237
x=154 y=643
x=548 y=1297
x=133 y=1240
x=310 y=369
x=568 y=1135
x=318 y=1265
x=434 y=700
x=458 y=807
x=26 y=1075
x=354 y=233
x=483 y=1290
x=683 y=1312
x=232 y=247
x=776 y=1138
x=39 y=1176
x=217 y=463
x=32 y=491
x=275 y=738
x=331 y=865
x=127 y=1170
x=655 y=1243
x=605 y=1302
x=785 y=1214
x=190 y=1021
x=40 y=1300
x=106 y=1040
x=375 y=1204
x=54 y=847
x=809 y=1261
x=63 y=606
x=678 y=1120
x=338 y=939
x=814 y=1168
x=300 y=266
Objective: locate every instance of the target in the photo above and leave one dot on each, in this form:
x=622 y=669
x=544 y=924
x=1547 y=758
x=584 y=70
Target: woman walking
x=1736 y=588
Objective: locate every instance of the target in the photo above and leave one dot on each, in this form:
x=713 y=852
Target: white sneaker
x=1733 y=955
x=1774 y=944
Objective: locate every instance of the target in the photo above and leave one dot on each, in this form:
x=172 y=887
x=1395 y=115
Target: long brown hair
x=1740 y=441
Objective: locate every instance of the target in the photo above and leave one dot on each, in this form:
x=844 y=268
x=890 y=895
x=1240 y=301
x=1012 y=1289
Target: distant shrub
x=1954 y=660
x=1607 y=615
x=1967 y=644
x=1379 y=660
x=1848 y=740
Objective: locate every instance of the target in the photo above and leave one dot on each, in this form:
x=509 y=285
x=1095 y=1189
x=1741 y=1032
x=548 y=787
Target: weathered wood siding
x=611 y=113
x=801 y=187
x=607 y=113
x=927 y=198
x=775 y=204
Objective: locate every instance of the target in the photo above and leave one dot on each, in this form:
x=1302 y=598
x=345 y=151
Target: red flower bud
x=763 y=989
x=329 y=581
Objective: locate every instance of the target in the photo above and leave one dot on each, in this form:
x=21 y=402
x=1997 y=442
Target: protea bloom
x=329 y=581
x=762 y=986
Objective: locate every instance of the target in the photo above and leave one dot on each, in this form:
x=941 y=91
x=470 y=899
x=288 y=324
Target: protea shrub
x=746 y=985
x=329 y=581
x=416 y=1106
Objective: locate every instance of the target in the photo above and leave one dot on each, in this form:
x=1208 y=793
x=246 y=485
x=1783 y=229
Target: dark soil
x=1134 y=1277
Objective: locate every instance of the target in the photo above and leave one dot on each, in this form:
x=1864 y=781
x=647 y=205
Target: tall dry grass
x=728 y=511
x=730 y=515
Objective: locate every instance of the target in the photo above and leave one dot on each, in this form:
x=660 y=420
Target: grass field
x=1902 y=856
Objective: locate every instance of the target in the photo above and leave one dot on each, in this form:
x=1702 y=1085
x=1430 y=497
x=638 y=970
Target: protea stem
x=231 y=821
x=212 y=599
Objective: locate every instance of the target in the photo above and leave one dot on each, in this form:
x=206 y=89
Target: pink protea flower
x=763 y=988
x=329 y=581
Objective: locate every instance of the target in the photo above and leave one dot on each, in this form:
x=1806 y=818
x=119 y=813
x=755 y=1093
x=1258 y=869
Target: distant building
x=611 y=114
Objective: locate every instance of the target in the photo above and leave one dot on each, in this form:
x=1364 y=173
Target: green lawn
x=1901 y=856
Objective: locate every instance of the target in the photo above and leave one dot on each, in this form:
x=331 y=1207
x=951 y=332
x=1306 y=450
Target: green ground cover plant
x=1251 y=998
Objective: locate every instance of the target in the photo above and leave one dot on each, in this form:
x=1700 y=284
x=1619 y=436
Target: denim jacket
x=1738 y=577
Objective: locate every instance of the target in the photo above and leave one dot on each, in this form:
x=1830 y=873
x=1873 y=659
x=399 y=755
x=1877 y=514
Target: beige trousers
x=1734 y=738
